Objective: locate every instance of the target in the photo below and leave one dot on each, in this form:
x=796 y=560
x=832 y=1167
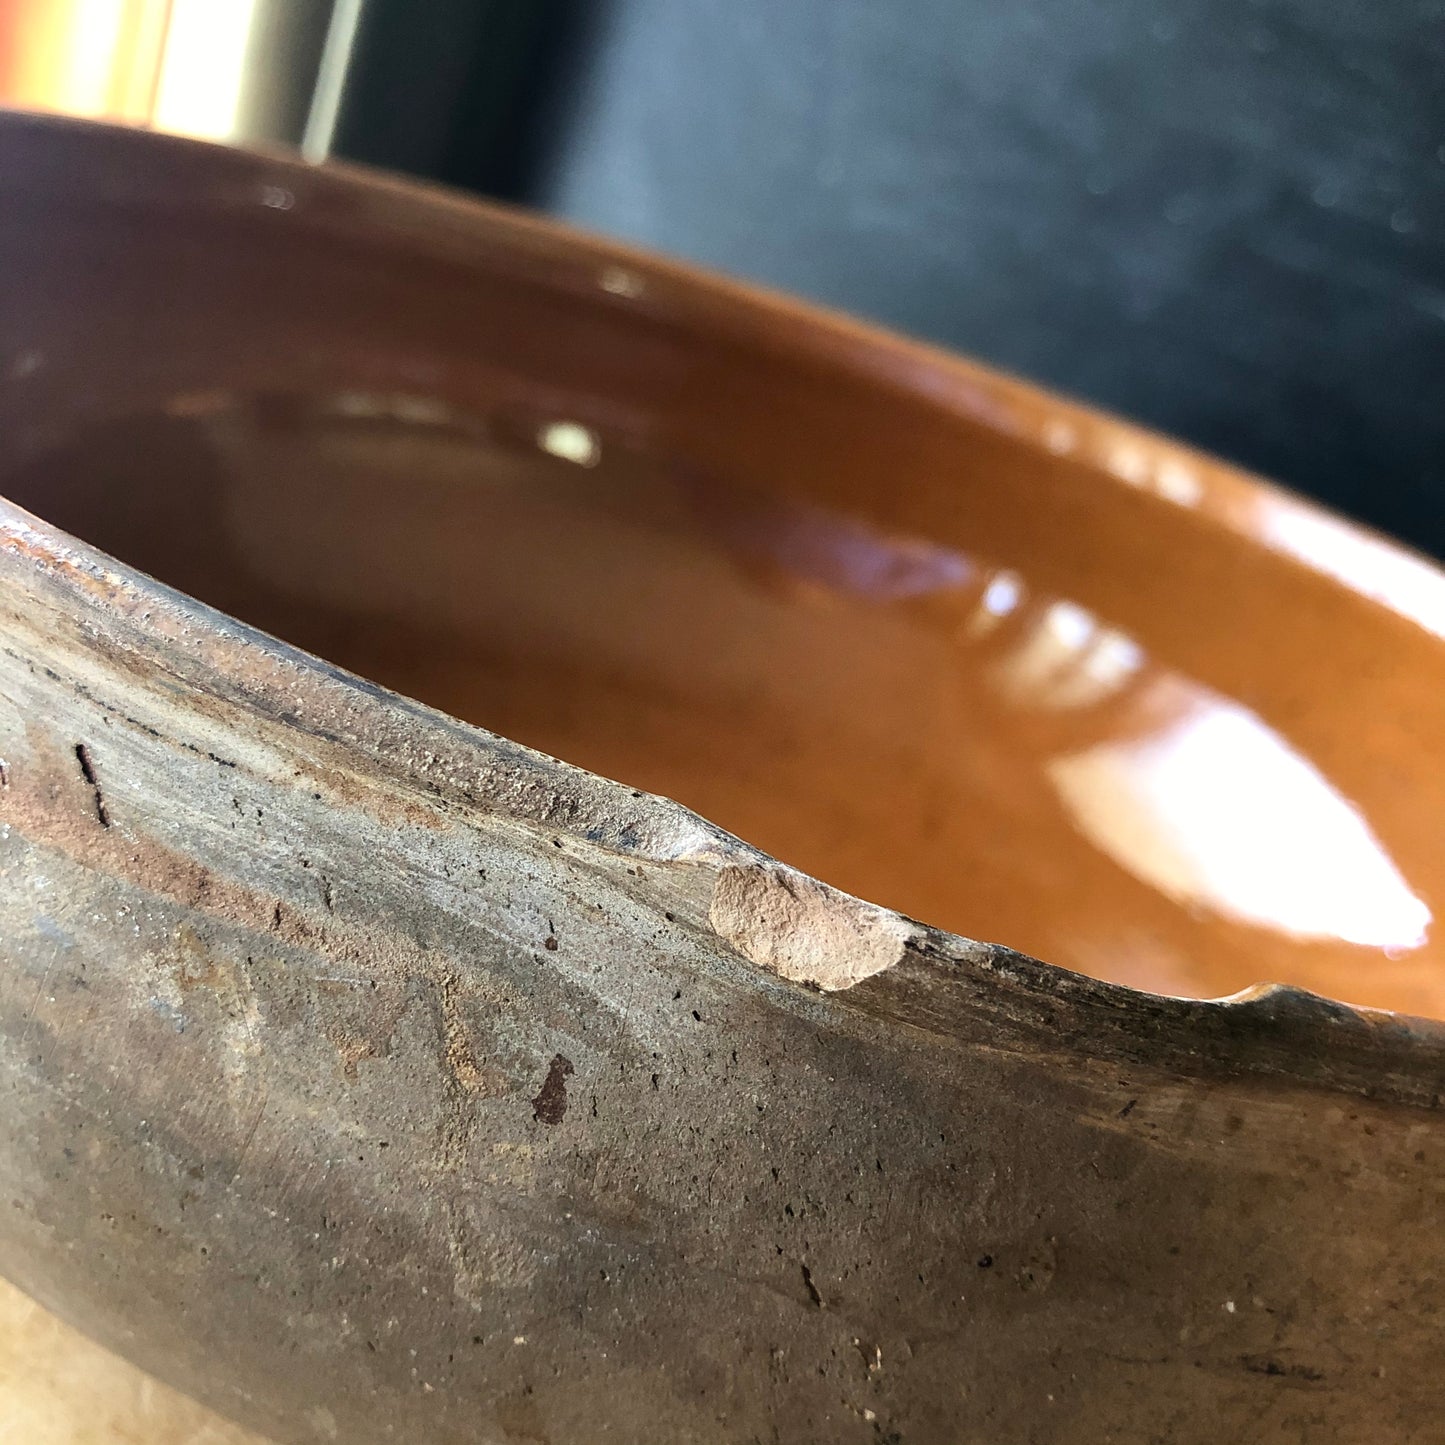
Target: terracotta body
x=374 y=1078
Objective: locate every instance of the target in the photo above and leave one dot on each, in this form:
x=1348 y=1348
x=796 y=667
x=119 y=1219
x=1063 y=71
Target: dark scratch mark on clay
x=87 y=771
x=550 y=1105
x=812 y=1289
x=1265 y=1365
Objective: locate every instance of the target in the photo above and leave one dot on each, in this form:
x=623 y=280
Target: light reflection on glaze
x=844 y=555
x=1215 y=810
x=1377 y=569
x=1191 y=793
x=572 y=442
x=1204 y=801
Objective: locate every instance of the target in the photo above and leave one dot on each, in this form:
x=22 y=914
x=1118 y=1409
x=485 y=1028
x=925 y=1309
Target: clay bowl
x=374 y=1077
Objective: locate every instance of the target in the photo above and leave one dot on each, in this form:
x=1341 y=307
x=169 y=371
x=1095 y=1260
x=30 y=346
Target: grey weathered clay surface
x=290 y=1044
x=374 y=1078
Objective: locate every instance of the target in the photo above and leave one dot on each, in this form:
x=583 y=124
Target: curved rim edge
x=858 y=952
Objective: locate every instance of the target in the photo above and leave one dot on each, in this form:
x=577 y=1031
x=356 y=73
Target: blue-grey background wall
x=1225 y=218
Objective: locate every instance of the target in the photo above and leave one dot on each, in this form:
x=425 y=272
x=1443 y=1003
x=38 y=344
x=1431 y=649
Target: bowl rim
x=1268 y=1028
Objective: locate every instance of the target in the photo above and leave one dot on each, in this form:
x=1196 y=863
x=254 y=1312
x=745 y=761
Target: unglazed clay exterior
x=372 y=1077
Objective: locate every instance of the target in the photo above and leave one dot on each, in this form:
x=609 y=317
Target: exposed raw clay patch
x=803 y=930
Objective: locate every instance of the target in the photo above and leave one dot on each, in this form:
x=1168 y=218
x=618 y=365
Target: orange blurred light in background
x=100 y=58
x=176 y=65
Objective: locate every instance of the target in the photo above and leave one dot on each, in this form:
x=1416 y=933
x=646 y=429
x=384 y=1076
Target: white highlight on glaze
x=1380 y=570
x=1216 y=809
x=1000 y=597
x=394 y=406
x=802 y=930
x=1166 y=477
x=1067 y=659
x=1178 y=484
x=1033 y=670
x=814 y=544
x=572 y=442
x=1060 y=436
x=1069 y=626
x=1129 y=464
x=1113 y=659
x=1002 y=594
x=618 y=281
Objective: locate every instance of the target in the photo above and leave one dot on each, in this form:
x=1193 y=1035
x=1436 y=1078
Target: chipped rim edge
x=872 y=939
x=1267 y=1028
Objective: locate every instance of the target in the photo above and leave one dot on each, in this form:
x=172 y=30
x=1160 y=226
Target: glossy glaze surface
x=1010 y=668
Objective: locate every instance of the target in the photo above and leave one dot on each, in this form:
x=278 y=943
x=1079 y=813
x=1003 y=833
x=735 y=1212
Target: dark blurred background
x=1225 y=218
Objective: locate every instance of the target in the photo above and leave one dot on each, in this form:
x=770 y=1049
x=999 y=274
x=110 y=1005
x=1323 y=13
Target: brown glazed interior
x=1010 y=667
